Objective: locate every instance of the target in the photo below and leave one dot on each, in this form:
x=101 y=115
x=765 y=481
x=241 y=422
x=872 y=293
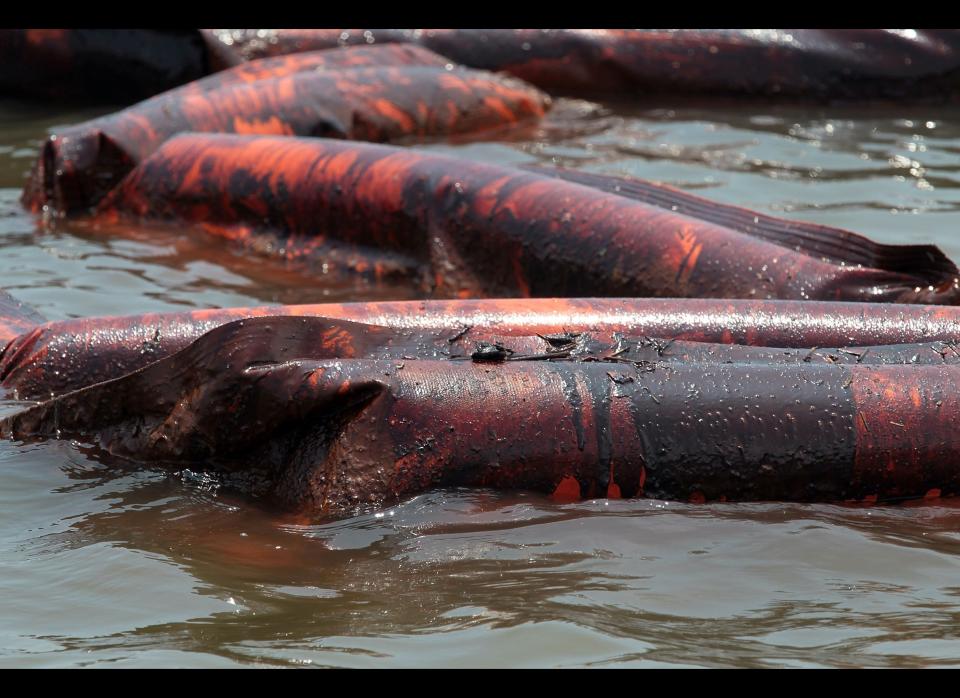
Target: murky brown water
x=108 y=567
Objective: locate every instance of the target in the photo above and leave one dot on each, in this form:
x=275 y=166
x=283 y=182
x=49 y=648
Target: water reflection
x=478 y=578
x=115 y=565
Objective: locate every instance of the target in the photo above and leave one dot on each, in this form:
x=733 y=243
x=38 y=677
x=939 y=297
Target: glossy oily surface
x=125 y=566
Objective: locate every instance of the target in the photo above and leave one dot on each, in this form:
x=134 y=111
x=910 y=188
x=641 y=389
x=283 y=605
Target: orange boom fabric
x=262 y=403
x=386 y=55
x=796 y=64
x=79 y=164
x=464 y=229
x=57 y=357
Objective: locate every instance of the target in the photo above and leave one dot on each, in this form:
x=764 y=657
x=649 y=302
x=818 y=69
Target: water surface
x=112 y=566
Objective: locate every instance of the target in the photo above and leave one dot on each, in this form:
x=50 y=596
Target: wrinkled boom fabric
x=41 y=360
x=81 y=163
x=261 y=402
x=464 y=229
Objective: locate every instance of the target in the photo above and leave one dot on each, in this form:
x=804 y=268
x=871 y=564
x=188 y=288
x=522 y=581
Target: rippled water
x=128 y=567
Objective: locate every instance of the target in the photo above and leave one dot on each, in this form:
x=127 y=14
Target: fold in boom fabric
x=41 y=360
x=463 y=229
x=79 y=164
x=796 y=64
x=261 y=402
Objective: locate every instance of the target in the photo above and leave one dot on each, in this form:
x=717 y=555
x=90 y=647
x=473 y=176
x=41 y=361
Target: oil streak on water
x=107 y=566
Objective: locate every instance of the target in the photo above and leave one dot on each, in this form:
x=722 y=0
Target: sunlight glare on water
x=121 y=566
